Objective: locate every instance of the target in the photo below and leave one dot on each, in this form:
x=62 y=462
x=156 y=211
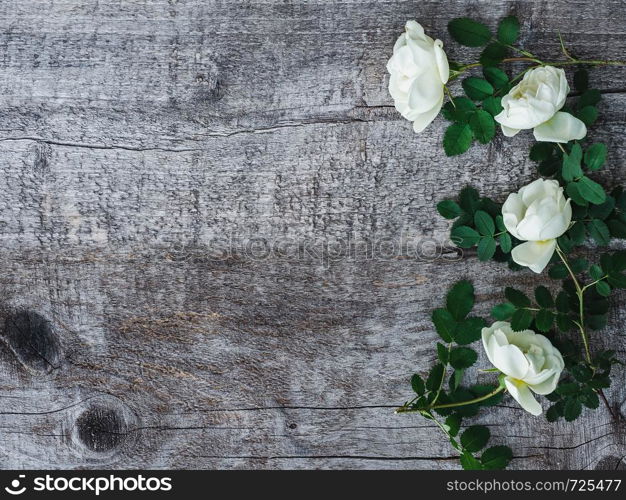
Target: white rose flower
x=537 y=214
x=529 y=361
x=419 y=69
x=535 y=103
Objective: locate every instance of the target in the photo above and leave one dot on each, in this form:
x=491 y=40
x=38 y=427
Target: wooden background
x=151 y=150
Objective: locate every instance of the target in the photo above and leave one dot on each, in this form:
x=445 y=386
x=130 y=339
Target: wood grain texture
x=153 y=151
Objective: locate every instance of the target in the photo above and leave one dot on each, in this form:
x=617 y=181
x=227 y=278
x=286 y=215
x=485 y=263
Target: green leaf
x=484 y=223
x=595 y=272
x=596 y=321
x=571 y=163
x=573 y=191
x=517 y=298
x=590 y=399
x=442 y=353
x=505 y=242
x=495 y=76
x=464 y=236
x=603 y=288
x=599 y=231
x=483 y=126
x=544 y=320
x=496 y=457
x=543 y=297
x=581 y=80
x=582 y=373
x=469 y=462
x=468 y=330
x=469 y=200
x=502 y=312
x=591 y=191
x=603 y=210
x=477 y=88
x=508 y=30
x=418 y=385
x=434 y=377
x=577 y=233
x=567 y=388
x=468 y=32
x=572 y=409
x=541 y=151
x=558 y=271
x=454 y=424
x=554 y=413
x=562 y=301
x=457 y=139
x=462 y=357
x=589 y=98
x=617 y=228
x=588 y=115
x=579 y=265
x=493 y=105
x=458 y=110
x=475 y=438
x=565 y=323
x=521 y=320
x=492 y=55
x=444 y=324
x=460 y=299
x=595 y=156
x=449 y=209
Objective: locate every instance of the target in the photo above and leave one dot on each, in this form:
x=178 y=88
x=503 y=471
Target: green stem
x=581 y=308
x=404 y=409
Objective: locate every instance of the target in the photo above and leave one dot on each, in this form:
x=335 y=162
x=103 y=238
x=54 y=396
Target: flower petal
x=509 y=359
x=534 y=254
x=421 y=121
x=562 y=127
x=442 y=61
x=521 y=393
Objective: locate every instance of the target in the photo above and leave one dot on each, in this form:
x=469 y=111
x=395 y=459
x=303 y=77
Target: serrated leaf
x=571 y=163
x=418 y=385
x=495 y=76
x=469 y=32
x=541 y=151
x=588 y=115
x=590 y=400
x=554 y=413
x=460 y=299
x=464 y=236
x=502 y=312
x=496 y=457
x=508 y=30
x=589 y=98
x=449 y=209
x=475 y=438
x=617 y=228
x=462 y=357
x=544 y=320
x=442 y=353
x=483 y=126
x=516 y=297
x=493 y=105
x=572 y=409
x=543 y=297
x=521 y=320
x=603 y=210
x=434 y=377
x=468 y=330
x=562 y=302
x=591 y=190
x=573 y=192
x=603 y=288
x=458 y=110
x=599 y=231
x=505 y=242
x=477 y=88
x=567 y=388
x=469 y=462
x=454 y=424
x=469 y=200
x=558 y=271
x=577 y=233
x=444 y=324
x=484 y=223
x=582 y=373
x=457 y=139
x=595 y=156
x=595 y=272
x=492 y=55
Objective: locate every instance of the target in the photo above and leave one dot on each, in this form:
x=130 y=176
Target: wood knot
x=101 y=428
x=31 y=338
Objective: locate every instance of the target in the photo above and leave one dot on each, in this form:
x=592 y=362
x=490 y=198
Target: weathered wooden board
x=151 y=152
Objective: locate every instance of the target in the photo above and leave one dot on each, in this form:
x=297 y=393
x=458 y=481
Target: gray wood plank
x=151 y=153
